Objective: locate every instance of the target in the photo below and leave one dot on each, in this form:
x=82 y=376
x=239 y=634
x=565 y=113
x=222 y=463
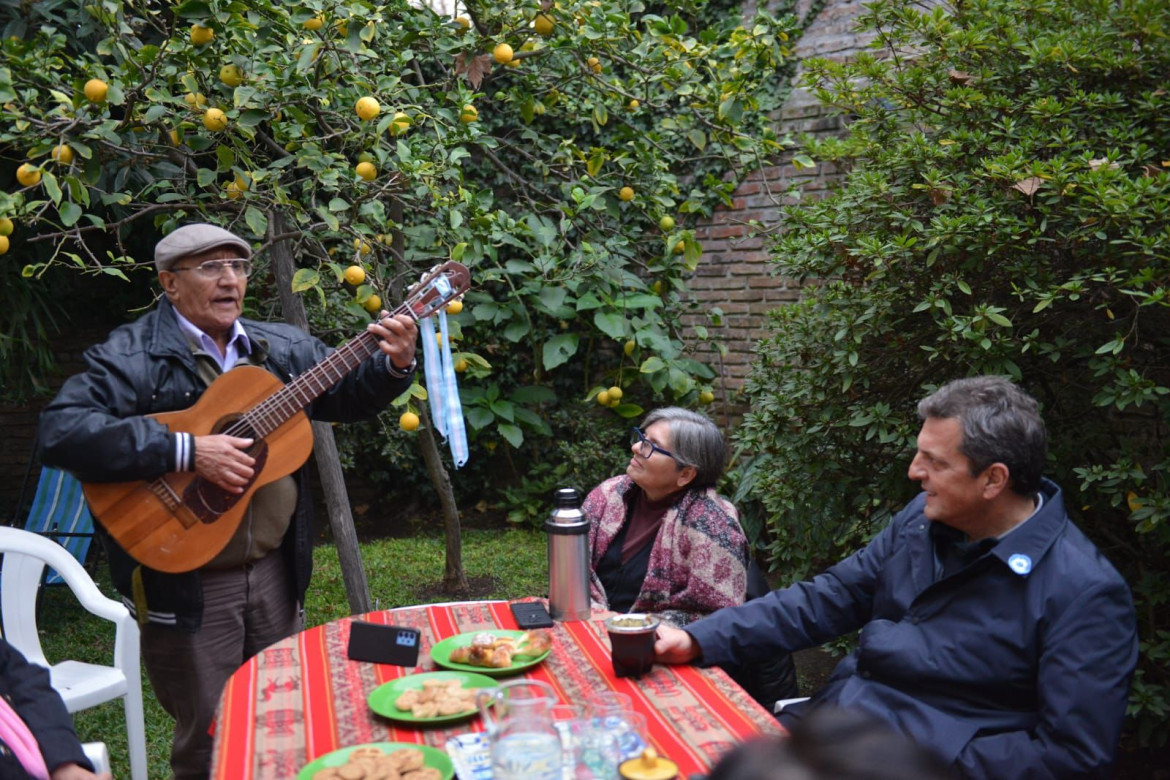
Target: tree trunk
x=454 y=578
x=324 y=445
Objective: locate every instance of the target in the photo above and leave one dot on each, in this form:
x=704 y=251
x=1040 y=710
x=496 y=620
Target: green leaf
x=256 y=221
x=698 y=138
x=600 y=114
x=596 y=159
x=305 y=279
x=610 y=323
x=194 y=9
x=205 y=177
x=478 y=417
x=512 y=434
x=70 y=213
x=801 y=161
x=651 y=365
x=559 y=349
x=52 y=189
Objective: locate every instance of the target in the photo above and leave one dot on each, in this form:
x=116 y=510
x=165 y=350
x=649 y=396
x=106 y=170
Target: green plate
x=432 y=757
x=441 y=654
x=382 y=698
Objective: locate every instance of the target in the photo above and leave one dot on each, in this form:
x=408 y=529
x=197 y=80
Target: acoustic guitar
x=180 y=521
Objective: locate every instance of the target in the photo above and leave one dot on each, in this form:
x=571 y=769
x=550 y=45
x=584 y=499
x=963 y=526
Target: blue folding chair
x=60 y=513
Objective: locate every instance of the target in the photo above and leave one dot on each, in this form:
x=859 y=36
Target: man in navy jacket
x=992 y=630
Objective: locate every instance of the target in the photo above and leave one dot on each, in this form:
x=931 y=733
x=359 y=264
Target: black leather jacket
x=96 y=429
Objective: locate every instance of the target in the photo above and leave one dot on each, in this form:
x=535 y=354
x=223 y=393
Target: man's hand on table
x=675 y=646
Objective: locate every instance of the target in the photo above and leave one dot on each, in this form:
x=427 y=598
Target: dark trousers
x=244 y=610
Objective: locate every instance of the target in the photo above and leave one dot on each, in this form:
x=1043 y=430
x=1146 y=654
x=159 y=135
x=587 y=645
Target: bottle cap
x=648 y=766
x=567 y=497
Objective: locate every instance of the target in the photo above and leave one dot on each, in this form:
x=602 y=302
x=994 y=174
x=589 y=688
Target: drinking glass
x=591 y=750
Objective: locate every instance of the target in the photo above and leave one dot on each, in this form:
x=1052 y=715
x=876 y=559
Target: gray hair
x=695 y=441
x=1001 y=424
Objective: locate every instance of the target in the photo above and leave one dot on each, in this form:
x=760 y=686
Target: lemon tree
x=265 y=113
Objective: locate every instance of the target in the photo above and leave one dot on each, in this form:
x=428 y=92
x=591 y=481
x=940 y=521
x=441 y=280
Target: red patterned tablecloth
x=302 y=697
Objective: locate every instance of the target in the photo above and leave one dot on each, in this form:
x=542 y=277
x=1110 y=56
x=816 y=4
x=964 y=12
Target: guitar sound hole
x=209 y=501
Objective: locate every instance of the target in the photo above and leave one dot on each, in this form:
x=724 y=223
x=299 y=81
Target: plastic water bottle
x=568 y=558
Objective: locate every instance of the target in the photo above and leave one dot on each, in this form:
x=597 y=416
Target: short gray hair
x=1001 y=424
x=695 y=440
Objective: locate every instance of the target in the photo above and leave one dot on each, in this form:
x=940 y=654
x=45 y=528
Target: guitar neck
x=427 y=297
x=278 y=408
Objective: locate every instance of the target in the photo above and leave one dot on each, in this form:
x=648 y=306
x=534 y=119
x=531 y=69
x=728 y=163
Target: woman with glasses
x=663 y=541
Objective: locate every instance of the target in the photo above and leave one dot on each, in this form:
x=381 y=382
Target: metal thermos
x=568 y=558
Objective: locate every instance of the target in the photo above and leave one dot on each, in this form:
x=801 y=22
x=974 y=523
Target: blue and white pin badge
x=1021 y=564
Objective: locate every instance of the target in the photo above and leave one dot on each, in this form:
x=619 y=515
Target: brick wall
x=734 y=274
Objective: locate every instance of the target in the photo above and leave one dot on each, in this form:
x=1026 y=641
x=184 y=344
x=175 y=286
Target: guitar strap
x=442 y=391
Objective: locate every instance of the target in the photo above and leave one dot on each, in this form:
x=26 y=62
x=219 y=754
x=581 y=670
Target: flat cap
x=194 y=240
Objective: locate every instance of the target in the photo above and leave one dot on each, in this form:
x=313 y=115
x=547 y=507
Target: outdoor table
x=302 y=697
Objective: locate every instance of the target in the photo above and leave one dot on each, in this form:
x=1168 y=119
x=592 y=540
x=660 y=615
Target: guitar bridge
x=174 y=504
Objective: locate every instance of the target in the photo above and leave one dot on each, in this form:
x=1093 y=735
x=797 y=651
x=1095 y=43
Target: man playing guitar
x=198 y=626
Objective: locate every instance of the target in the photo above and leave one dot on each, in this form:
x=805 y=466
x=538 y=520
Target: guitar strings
x=280 y=407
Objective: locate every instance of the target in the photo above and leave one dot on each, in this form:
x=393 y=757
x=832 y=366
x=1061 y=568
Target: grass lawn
x=398 y=571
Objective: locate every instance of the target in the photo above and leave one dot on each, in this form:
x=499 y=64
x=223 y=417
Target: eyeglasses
x=213 y=269
x=647 y=448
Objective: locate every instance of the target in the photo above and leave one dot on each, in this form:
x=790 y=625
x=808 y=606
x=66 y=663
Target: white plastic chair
x=81 y=685
x=98 y=756
x=779 y=706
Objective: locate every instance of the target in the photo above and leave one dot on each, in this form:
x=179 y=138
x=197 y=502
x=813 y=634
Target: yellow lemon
x=3 y=244
x=373 y=304
x=594 y=64
x=626 y=193
x=460 y=364
x=543 y=25
x=215 y=120
x=367 y=108
x=28 y=175
x=95 y=90
x=175 y=138
x=6 y=226
x=316 y=23
x=231 y=75
x=363 y=247
x=706 y=397
x=629 y=347
x=194 y=100
x=615 y=393
x=408 y=421
x=366 y=170
x=603 y=398
x=469 y=114
x=233 y=190
x=666 y=224
x=62 y=154
x=633 y=104
x=201 y=35
x=679 y=247
x=454 y=307
x=502 y=53
x=400 y=124
x=463 y=22
x=355 y=275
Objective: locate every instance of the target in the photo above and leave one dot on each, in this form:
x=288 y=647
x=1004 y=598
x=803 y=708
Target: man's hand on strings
x=222 y=459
